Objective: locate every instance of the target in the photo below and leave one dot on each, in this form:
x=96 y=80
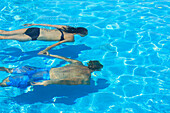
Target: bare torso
x=72 y=74
x=54 y=35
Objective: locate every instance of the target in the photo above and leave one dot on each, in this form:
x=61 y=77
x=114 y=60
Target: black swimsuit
x=62 y=35
x=34 y=32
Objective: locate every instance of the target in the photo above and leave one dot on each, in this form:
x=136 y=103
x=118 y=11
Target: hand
x=44 y=52
x=26 y=25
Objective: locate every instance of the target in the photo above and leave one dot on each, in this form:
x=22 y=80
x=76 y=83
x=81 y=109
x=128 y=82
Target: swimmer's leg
x=20 y=81
x=21 y=37
x=26 y=70
x=8 y=70
x=14 y=32
x=23 y=81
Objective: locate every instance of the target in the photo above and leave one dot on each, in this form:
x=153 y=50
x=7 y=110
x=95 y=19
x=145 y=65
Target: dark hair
x=80 y=30
x=95 y=65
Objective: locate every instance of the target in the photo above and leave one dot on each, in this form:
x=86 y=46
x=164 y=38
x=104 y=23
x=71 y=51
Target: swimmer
x=61 y=33
x=73 y=74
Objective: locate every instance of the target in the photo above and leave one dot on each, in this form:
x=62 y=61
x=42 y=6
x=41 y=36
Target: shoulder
x=76 y=62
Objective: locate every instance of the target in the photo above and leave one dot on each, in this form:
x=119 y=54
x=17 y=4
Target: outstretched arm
x=64 y=58
x=44 y=83
x=56 y=26
x=48 y=48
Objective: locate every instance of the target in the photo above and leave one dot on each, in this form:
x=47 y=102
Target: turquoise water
x=129 y=37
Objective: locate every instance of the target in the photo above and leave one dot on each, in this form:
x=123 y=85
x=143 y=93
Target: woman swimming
x=62 y=34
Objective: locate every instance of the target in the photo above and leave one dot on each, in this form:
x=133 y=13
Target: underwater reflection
x=66 y=94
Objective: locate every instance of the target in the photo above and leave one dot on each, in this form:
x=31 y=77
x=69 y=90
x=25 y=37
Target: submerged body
x=73 y=74
x=61 y=33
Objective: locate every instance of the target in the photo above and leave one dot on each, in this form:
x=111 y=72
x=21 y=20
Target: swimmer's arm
x=64 y=58
x=56 y=26
x=56 y=44
x=44 y=83
x=69 y=81
x=48 y=48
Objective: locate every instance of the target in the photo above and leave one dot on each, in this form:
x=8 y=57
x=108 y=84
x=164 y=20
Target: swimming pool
x=129 y=37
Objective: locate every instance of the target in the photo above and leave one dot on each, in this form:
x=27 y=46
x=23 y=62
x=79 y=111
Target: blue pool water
x=131 y=38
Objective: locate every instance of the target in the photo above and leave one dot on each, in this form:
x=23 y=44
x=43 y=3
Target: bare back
x=54 y=35
x=74 y=73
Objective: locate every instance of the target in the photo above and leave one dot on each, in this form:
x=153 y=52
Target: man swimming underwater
x=73 y=74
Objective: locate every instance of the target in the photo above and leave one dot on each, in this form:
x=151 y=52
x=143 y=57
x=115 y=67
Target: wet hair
x=95 y=65
x=80 y=30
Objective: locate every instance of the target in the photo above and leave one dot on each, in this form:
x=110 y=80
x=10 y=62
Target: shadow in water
x=66 y=94
x=71 y=51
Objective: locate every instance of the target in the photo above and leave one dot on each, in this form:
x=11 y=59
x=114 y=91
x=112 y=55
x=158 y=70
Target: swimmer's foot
x=2 y=37
x=8 y=70
x=1 y=31
x=2 y=85
x=2 y=69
